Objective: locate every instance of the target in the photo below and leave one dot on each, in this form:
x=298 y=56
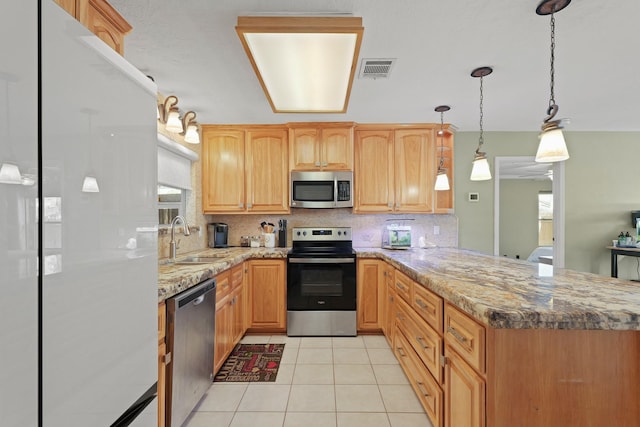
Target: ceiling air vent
x=376 y=68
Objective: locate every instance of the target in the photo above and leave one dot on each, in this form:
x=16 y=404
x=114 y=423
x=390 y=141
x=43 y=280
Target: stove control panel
x=321 y=233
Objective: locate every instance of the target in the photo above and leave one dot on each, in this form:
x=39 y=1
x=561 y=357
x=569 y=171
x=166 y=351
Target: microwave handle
x=335 y=191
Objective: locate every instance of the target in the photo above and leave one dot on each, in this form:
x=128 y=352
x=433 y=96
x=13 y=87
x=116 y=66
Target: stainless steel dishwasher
x=191 y=317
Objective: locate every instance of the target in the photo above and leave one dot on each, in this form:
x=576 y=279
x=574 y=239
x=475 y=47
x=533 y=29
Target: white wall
x=601 y=191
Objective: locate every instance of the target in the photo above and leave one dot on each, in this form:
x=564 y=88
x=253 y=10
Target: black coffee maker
x=218 y=235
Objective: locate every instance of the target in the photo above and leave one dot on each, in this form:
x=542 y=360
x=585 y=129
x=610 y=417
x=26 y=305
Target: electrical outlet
x=436 y=230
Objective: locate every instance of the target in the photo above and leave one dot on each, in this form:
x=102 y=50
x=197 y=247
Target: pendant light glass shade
x=552 y=147
x=442 y=181
x=480 y=170
x=10 y=174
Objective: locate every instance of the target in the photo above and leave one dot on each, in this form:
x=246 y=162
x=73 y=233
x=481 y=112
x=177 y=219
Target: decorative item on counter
x=255 y=241
x=269 y=240
x=244 y=241
x=621 y=239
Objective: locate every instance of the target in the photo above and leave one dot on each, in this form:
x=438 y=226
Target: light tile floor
x=321 y=382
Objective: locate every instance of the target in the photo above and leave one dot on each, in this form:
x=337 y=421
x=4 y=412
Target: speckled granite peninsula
x=507 y=293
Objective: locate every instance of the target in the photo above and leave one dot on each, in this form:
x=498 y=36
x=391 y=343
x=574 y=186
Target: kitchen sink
x=201 y=259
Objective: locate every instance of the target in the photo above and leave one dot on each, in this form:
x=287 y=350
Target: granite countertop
x=175 y=278
x=516 y=294
x=497 y=291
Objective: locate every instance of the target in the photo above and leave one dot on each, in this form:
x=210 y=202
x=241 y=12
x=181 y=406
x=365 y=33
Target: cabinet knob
x=325 y=164
x=317 y=164
x=241 y=205
x=390 y=205
x=249 y=205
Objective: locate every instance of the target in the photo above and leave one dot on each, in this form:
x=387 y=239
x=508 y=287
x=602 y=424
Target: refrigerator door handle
x=138 y=406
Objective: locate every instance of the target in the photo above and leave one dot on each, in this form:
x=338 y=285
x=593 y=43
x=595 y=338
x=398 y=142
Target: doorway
x=525 y=167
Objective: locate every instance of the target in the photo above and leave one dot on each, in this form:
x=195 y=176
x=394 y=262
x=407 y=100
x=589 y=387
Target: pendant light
x=480 y=170
x=90 y=182
x=442 y=180
x=552 y=146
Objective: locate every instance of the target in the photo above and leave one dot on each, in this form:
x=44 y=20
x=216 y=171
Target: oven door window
x=321 y=286
x=321 y=282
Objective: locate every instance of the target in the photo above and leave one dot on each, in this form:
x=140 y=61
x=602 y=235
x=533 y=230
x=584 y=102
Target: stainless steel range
x=321 y=282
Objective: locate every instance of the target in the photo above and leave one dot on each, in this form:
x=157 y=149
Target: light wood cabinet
x=266 y=279
x=443 y=199
x=101 y=19
x=162 y=363
x=245 y=170
x=222 y=345
x=229 y=327
x=394 y=170
x=426 y=388
x=464 y=393
x=267 y=171
x=390 y=301
x=370 y=291
x=373 y=171
x=314 y=147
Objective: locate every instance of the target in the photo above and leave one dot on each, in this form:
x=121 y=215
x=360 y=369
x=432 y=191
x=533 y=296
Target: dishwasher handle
x=195 y=294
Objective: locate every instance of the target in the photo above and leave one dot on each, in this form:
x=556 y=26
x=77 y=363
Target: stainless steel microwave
x=321 y=189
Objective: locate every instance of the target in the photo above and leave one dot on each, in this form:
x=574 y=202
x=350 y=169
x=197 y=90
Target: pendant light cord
x=441 y=140
x=552 y=99
x=481 y=139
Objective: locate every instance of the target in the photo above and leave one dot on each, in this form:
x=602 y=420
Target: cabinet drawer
x=428 y=305
x=429 y=393
x=223 y=284
x=403 y=286
x=425 y=341
x=466 y=336
x=237 y=275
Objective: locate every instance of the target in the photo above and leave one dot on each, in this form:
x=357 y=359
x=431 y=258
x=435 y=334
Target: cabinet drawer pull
x=420 y=304
x=400 y=316
x=401 y=352
x=399 y=285
x=422 y=390
x=457 y=335
x=422 y=343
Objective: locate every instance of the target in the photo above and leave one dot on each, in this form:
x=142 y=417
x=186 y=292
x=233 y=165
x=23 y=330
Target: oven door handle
x=322 y=260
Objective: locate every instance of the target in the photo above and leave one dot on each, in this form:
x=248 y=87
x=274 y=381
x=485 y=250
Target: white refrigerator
x=78 y=228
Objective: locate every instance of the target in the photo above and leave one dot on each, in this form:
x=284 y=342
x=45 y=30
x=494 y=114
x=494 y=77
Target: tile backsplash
x=367 y=229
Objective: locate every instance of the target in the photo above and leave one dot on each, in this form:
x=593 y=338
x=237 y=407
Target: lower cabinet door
x=223 y=343
x=464 y=393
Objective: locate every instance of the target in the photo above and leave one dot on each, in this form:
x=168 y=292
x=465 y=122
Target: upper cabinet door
x=414 y=170
x=321 y=148
x=223 y=171
x=337 y=148
x=373 y=177
x=305 y=149
x=267 y=171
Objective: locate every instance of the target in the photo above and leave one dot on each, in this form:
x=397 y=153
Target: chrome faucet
x=173 y=246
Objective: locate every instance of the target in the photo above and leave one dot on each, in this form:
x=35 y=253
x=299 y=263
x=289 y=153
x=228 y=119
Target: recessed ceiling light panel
x=304 y=64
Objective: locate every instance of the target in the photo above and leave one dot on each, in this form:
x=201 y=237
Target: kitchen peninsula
x=494 y=340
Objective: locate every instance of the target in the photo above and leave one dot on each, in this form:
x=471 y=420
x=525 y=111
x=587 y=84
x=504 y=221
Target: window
x=171 y=203
x=545 y=218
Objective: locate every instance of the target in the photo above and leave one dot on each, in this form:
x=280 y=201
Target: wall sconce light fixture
x=190 y=127
x=170 y=115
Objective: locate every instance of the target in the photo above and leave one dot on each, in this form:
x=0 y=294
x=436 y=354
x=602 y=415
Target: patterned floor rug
x=251 y=362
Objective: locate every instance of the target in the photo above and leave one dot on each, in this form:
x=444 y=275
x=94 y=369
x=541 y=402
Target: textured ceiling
x=191 y=49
